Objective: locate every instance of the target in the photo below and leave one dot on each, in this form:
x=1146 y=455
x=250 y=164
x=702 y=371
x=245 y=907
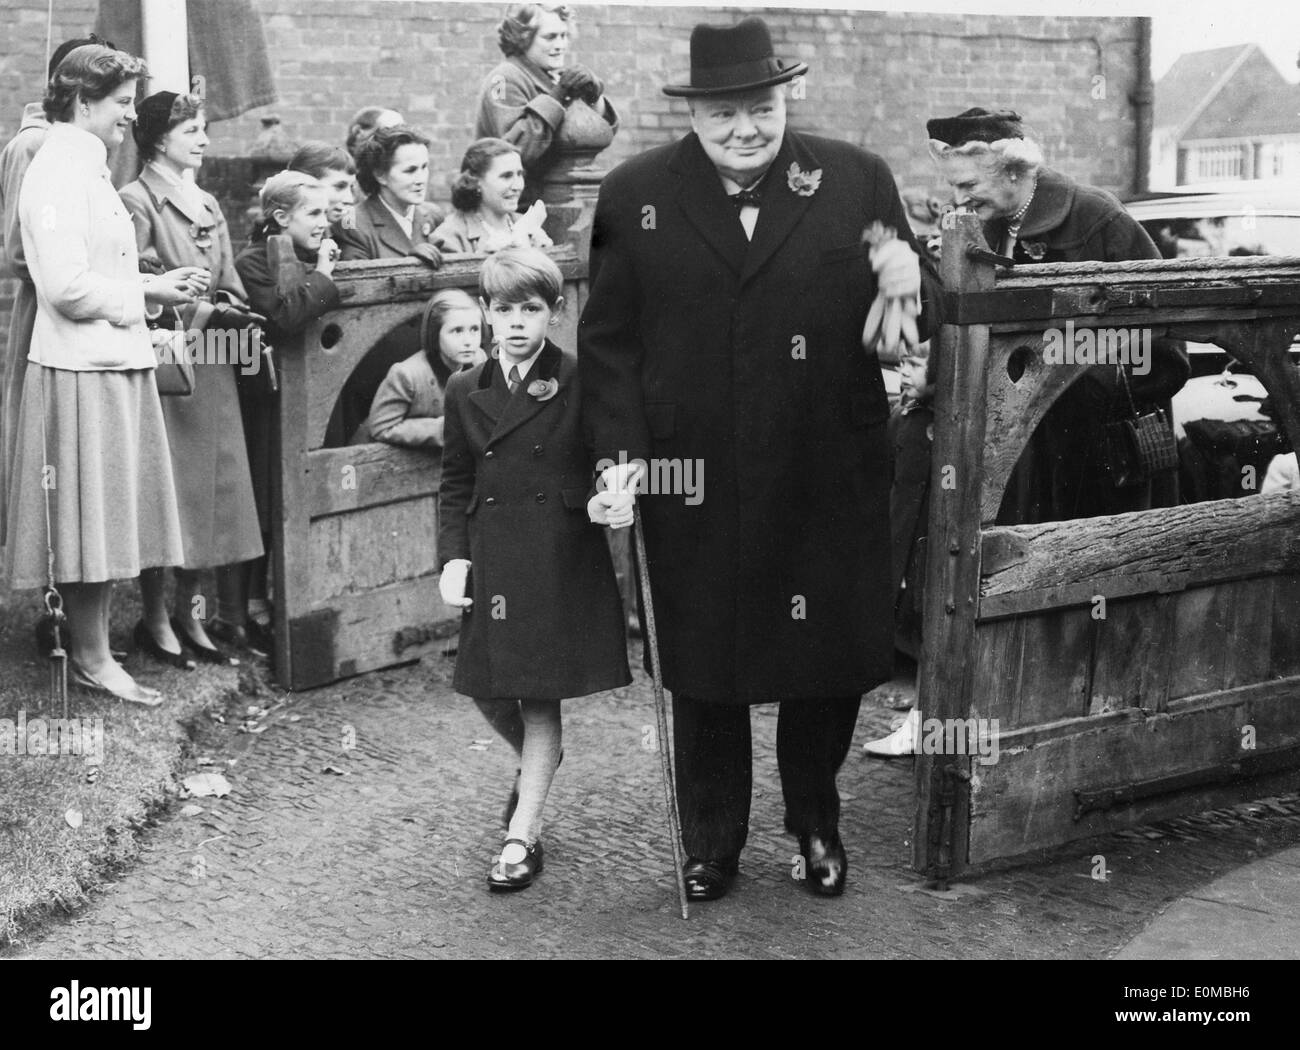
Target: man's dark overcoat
x=746 y=356
x=547 y=621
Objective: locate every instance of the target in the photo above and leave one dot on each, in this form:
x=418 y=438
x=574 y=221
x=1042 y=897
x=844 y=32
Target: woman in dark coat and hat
x=1036 y=215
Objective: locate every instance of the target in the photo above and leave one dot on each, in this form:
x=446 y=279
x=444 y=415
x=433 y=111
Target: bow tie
x=750 y=198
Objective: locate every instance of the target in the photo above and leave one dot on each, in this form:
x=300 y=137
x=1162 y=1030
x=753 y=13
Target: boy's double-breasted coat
x=546 y=622
x=745 y=359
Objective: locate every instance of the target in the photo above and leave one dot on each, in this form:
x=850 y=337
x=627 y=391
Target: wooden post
x=952 y=589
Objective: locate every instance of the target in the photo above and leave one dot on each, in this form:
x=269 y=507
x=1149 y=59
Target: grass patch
x=47 y=866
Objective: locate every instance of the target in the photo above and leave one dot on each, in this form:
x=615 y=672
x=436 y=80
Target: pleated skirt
x=92 y=446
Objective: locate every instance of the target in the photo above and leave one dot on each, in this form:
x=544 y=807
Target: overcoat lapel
x=521 y=406
x=162 y=193
x=704 y=202
x=492 y=394
x=782 y=207
x=386 y=229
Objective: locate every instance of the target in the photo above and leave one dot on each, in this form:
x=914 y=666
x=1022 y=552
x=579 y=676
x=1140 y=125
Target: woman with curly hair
x=92 y=485
x=526 y=98
x=486 y=195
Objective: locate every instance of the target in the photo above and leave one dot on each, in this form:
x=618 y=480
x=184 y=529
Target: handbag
x=1141 y=446
x=174 y=371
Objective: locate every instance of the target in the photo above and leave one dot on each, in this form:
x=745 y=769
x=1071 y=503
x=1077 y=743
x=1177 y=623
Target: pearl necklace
x=1019 y=216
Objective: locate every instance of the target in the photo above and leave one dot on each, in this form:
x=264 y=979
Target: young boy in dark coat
x=542 y=619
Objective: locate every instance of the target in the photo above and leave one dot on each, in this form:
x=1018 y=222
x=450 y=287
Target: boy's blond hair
x=515 y=274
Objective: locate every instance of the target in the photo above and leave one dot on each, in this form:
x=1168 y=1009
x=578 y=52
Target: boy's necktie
x=513 y=380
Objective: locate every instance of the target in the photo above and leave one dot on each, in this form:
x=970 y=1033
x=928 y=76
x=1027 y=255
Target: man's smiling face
x=741 y=134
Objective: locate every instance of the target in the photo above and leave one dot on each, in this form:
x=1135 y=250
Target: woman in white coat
x=91 y=467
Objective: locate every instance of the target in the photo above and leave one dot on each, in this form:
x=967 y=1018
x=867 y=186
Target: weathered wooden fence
x=1186 y=692
x=355 y=533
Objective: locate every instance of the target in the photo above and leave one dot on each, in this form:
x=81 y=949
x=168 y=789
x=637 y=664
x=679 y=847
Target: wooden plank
x=952 y=567
x=999 y=646
x=1284 y=638
x=342 y=480
x=1247 y=652
x=372 y=548
x=1033 y=669
x=382 y=281
x=1191 y=545
x=1202 y=636
x=369 y=630
x=1131 y=662
x=1026 y=801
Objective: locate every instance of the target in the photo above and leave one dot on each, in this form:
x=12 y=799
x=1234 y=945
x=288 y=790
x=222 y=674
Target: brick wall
x=874 y=78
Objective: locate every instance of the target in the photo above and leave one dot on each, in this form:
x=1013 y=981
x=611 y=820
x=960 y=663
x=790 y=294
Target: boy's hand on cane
x=451 y=585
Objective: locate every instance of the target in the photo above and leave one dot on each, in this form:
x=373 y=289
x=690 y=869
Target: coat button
x=491 y=501
x=537 y=450
x=541 y=497
x=489 y=454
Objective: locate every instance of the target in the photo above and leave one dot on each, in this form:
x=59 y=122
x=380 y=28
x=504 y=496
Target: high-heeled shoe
x=232 y=635
x=145 y=642
x=202 y=652
x=506 y=876
x=708 y=880
x=136 y=694
x=826 y=863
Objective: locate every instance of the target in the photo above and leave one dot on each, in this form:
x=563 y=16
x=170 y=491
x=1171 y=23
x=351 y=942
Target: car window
x=1228 y=235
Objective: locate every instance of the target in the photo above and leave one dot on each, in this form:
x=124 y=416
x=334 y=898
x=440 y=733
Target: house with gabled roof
x=1224 y=115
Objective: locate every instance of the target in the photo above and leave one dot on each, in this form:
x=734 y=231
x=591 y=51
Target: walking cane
x=661 y=709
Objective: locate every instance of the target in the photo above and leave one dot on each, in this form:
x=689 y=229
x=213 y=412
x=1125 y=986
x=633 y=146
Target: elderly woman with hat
x=178 y=224
x=1034 y=214
x=527 y=98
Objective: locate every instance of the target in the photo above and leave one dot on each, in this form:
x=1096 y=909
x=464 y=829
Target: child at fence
x=911 y=434
x=290 y=296
x=408 y=407
x=542 y=618
x=485 y=197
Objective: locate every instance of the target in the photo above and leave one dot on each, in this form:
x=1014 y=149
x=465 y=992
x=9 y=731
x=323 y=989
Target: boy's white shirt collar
x=407 y=222
x=525 y=366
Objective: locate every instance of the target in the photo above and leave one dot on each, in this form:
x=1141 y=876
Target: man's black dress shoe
x=826 y=872
x=505 y=876
x=145 y=642
x=707 y=880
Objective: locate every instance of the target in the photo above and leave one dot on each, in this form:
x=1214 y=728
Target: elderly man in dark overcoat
x=724 y=336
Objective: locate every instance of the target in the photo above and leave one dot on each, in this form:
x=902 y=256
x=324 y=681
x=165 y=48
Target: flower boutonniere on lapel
x=1036 y=250
x=543 y=389
x=804 y=183
x=426 y=229
x=202 y=236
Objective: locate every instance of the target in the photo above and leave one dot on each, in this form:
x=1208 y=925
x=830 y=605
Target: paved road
x=389 y=858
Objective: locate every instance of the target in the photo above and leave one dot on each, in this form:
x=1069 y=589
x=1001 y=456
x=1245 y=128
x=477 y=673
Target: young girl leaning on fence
x=288 y=281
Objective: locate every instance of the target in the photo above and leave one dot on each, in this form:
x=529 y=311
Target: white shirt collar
x=524 y=366
x=407 y=222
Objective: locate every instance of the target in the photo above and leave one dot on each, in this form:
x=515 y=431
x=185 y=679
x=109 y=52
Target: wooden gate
x=355 y=535
x=1138 y=666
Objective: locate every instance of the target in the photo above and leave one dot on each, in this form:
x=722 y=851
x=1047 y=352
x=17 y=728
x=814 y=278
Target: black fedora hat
x=728 y=59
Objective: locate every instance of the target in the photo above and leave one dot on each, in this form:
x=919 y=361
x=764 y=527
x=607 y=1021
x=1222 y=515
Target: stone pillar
x=573 y=180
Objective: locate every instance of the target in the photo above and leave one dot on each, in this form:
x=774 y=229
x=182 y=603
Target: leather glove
x=581 y=82
x=428 y=254
x=451 y=585
x=225 y=315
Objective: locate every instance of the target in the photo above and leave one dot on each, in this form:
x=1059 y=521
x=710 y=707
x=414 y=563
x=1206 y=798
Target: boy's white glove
x=617 y=485
x=451 y=585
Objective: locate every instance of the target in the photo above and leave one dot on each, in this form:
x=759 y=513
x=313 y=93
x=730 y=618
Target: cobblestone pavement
x=388 y=857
